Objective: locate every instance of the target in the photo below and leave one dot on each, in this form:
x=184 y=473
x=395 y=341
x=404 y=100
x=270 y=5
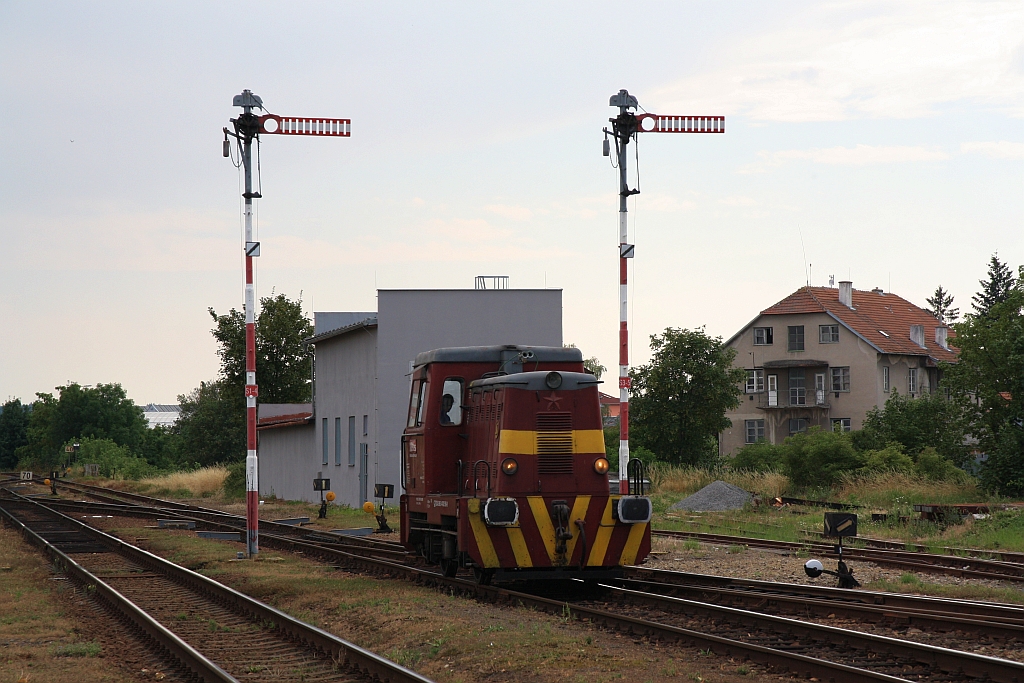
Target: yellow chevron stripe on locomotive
x=532 y=543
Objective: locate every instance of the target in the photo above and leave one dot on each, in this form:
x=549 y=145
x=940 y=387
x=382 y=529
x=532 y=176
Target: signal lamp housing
x=553 y=380
x=509 y=466
x=601 y=466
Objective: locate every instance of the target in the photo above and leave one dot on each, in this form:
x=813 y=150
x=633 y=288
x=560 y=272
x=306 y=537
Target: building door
x=364 y=467
x=773 y=390
x=819 y=388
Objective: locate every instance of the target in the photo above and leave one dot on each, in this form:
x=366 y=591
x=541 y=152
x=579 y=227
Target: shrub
x=819 y=458
x=758 y=457
x=931 y=465
x=234 y=484
x=116 y=462
x=891 y=458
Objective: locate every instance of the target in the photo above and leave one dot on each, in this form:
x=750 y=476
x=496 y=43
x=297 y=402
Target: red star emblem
x=553 y=401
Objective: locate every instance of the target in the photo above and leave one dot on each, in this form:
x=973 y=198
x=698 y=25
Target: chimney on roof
x=846 y=293
x=917 y=335
x=877 y=290
x=941 y=336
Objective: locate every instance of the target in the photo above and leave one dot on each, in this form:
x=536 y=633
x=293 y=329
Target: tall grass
x=886 y=488
x=197 y=484
x=686 y=480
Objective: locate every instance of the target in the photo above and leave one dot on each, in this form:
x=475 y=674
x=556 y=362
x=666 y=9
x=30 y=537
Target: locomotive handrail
x=458 y=464
x=476 y=479
x=635 y=474
x=403 y=486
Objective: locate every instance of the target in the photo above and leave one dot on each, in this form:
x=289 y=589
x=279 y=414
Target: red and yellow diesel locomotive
x=504 y=468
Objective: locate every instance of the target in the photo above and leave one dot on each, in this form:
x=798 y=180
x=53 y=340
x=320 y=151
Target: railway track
x=884 y=544
x=644 y=603
x=209 y=632
x=924 y=562
x=878 y=654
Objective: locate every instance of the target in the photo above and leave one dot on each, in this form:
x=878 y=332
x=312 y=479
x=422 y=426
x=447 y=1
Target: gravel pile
x=717 y=495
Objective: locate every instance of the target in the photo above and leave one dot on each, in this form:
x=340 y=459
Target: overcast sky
x=876 y=141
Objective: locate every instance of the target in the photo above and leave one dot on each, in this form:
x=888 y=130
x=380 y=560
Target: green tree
x=100 y=412
x=917 y=423
x=679 y=399
x=989 y=377
x=996 y=289
x=13 y=432
x=211 y=427
x=282 y=359
x=942 y=306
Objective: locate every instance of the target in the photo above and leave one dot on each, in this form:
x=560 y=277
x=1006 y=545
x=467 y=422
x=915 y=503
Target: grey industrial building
x=362 y=363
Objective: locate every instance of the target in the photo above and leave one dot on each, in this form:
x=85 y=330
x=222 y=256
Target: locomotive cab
x=504 y=468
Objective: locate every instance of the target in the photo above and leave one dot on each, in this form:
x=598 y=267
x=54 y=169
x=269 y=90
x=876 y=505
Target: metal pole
x=623 y=126
x=247 y=127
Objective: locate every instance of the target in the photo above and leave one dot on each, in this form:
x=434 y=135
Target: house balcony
x=784 y=400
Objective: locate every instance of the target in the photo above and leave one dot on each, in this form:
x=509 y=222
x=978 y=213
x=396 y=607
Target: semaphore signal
x=625 y=127
x=248 y=127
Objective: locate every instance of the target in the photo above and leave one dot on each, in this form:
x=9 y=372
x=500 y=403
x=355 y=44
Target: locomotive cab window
x=451 y=402
x=416 y=403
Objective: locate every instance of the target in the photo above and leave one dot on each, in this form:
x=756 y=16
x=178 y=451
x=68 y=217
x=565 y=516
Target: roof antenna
x=832 y=281
x=802 y=249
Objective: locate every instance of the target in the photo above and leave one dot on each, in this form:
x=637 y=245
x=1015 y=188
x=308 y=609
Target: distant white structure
x=162 y=414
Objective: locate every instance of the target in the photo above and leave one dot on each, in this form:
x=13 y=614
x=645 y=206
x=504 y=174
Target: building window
x=755 y=381
x=755 y=430
x=912 y=381
x=763 y=336
x=840 y=379
x=337 y=441
x=324 y=424
x=797 y=425
x=796 y=337
x=351 y=440
x=885 y=378
x=797 y=388
x=828 y=334
x=366 y=425
x=840 y=424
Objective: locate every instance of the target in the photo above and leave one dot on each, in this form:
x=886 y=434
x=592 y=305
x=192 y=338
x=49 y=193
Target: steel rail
x=341 y=650
x=187 y=656
x=885 y=544
x=996 y=611
x=893 y=558
x=759 y=601
x=948 y=660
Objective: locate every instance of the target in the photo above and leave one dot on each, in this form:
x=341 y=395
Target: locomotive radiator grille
x=554 y=443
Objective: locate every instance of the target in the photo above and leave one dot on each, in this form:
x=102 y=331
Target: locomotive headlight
x=553 y=380
x=509 y=466
x=601 y=466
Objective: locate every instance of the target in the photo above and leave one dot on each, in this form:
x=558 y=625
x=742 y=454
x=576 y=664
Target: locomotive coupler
x=560 y=512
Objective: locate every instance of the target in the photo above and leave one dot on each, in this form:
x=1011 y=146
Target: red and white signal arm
x=659 y=123
x=272 y=124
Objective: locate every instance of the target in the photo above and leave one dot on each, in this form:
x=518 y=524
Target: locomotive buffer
x=625 y=127
x=248 y=127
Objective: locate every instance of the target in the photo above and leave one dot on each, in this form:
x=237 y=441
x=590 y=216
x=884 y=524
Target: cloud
x=998 y=150
x=861 y=155
x=516 y=213
x=864 y=59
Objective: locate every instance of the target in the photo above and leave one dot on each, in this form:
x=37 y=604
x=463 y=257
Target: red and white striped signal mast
x=625 y=127
x=249 y=127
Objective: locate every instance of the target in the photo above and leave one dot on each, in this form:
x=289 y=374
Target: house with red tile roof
x=825 y=356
